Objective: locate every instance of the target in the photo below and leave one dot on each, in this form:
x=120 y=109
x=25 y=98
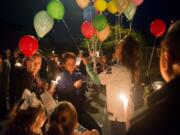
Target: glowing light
x=124 y=99
x=97 y=53
x=58 y=78
x=78 y=61
x=18 y=64
x=157 y=85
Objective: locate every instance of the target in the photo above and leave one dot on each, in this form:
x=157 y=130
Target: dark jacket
x=6 y=67
x=161 y=115
x=21 y=80
x=66 y=90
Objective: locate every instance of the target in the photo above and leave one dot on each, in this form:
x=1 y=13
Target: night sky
x=16 y=19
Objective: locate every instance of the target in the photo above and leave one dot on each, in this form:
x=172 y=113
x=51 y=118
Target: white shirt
x=117 y=83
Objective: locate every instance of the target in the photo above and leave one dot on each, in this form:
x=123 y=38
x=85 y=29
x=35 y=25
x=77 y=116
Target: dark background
x=16 y=20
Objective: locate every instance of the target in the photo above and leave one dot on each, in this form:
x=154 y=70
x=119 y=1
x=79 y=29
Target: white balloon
x=43 y=23
x=130 y=11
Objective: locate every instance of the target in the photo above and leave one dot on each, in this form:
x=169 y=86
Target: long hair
x=130 y=55
x=22 y=120
x=63 y=119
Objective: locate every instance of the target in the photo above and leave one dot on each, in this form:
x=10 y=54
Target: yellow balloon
x=82 y=3
x=103 y=35
x=112 y=8
x=122 y=5
x=100 y=5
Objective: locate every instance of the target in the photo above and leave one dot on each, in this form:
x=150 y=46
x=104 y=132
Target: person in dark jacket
x=71 y=88
x=161 y=114
x=4 y=86
x=22 y=79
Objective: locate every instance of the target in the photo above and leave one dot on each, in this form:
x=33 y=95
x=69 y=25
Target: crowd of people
x=65 y=78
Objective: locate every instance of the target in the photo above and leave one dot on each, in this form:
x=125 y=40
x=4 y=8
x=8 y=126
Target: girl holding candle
x=124 y=73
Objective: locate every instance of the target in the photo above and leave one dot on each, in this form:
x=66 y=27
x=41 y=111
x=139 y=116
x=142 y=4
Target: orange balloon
x=103 y=35
x=82 y=3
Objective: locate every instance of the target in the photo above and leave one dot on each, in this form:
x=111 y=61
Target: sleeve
x=65 y=88
x=94 y=77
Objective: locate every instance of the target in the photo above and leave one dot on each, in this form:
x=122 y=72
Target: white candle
x=78 y=61
x=97 y=53
x=124 y=99
x=54 y=83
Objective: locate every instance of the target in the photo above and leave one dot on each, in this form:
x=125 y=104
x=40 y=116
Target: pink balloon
x=138 y=2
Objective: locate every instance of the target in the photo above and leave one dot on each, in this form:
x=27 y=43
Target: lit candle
x=124 y=99
x=58 y=78
x=97 y=53
x=54 y=83
x=18 y=64
x=78 y=61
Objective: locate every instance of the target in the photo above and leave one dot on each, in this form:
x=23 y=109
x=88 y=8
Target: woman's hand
x=85 y=61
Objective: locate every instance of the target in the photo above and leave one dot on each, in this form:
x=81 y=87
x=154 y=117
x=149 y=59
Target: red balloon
x=28 y=45
x=158 y=27
x=88 y=30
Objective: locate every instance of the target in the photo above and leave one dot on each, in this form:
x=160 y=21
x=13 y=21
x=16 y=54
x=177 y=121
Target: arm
x=94 y=77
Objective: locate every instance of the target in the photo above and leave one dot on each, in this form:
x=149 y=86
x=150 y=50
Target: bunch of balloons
x=43 y=20
x=93 y=13
x=127 y=7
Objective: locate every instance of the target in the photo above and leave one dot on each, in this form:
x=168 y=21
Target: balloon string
x=116 y=29
x=38 y=38
x=69 y=31
x=130 y=27
x=118 y=32
x=89 y=49
x=120 y=22
x=151 y=58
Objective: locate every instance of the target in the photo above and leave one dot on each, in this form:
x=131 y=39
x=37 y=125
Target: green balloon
x=56 y=9
x=99 y=22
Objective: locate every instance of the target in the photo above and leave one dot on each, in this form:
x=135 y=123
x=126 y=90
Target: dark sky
x=16 y=19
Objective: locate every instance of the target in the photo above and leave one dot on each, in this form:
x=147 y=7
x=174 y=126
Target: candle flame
x=124 y=99
x=58 y=78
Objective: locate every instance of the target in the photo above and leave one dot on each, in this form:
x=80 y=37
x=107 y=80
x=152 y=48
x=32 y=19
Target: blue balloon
x=89 y=13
